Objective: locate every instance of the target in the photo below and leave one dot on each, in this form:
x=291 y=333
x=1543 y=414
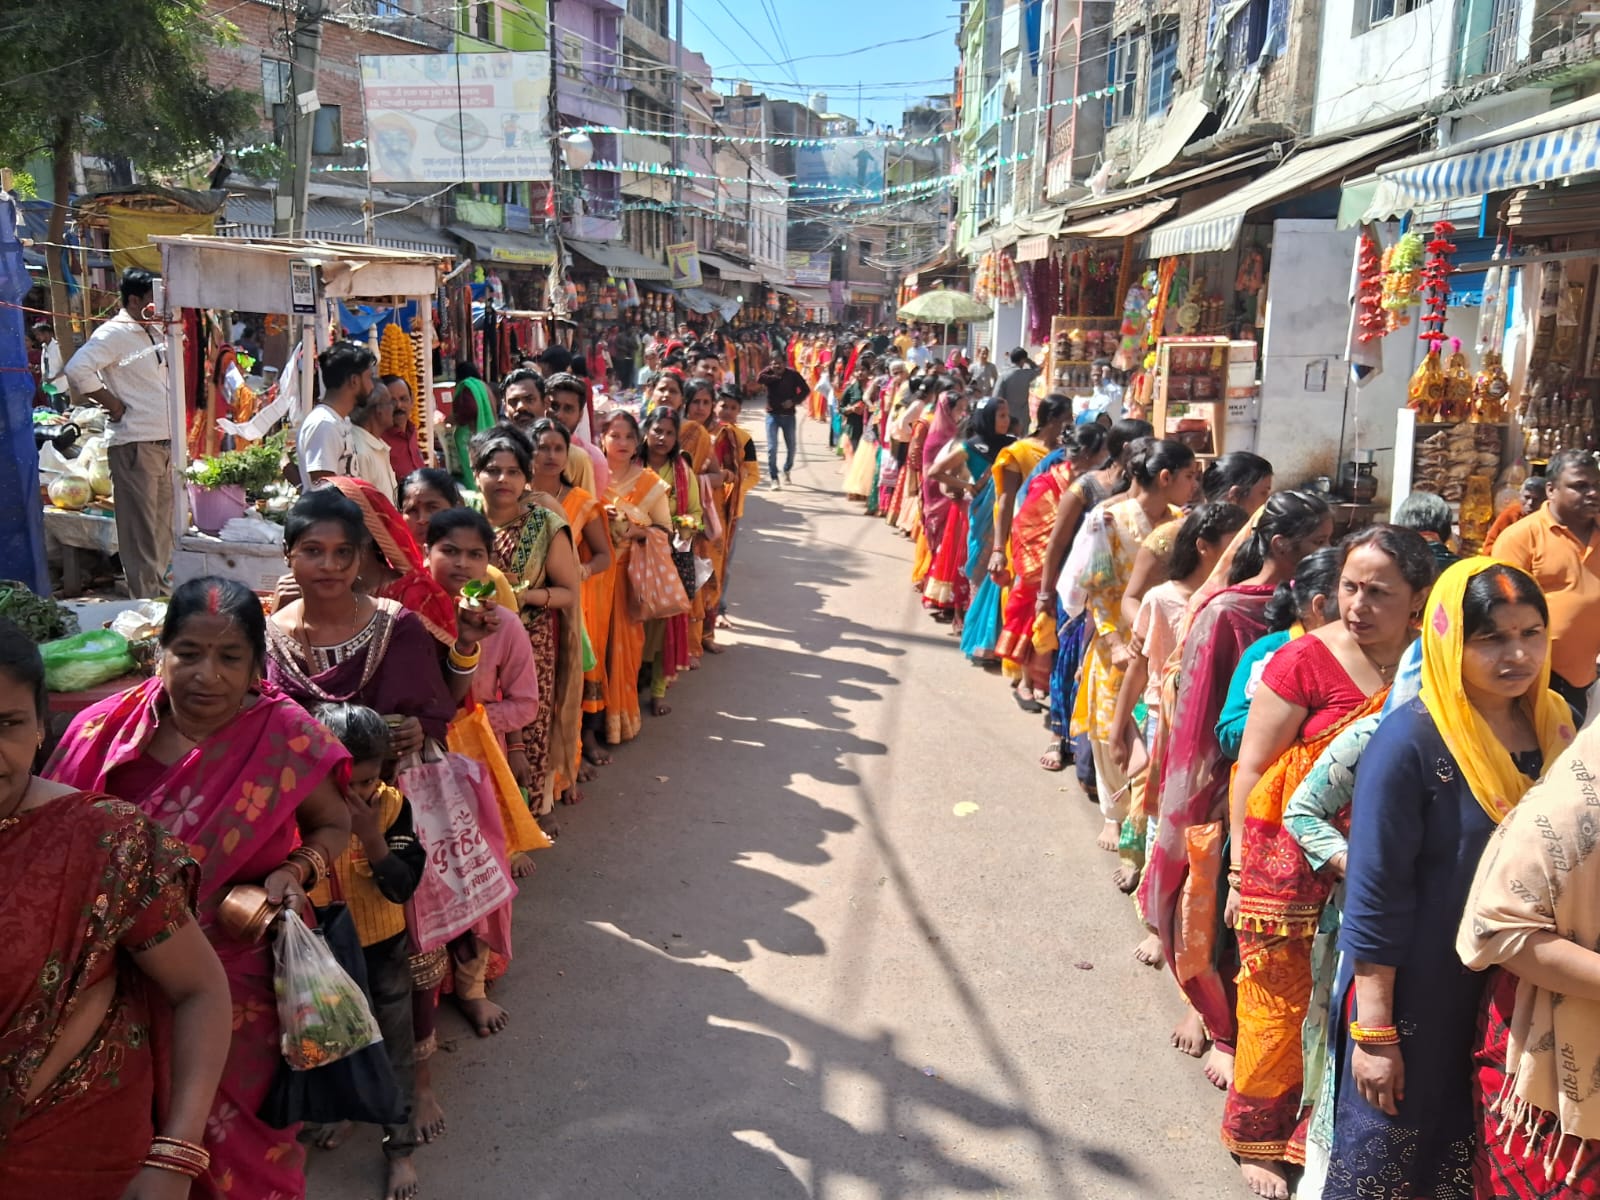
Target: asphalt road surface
x=768 y=960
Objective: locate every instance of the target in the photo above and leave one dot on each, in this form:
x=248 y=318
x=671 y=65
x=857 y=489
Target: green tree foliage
x=117 y=80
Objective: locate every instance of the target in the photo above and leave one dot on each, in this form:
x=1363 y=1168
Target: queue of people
x=292 y=754
x=1344 y=780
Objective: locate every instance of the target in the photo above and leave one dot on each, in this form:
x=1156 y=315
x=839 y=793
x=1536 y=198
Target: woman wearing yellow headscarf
x=1436 y=778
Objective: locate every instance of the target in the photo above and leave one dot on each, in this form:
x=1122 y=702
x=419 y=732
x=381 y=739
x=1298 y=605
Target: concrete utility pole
x=289 y=215
x=680 y=124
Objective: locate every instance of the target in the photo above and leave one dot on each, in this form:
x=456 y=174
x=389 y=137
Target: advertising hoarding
x=841 y=165
x=448 y=118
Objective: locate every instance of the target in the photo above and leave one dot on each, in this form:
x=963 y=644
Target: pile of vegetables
x=254 y=468
x=40 y=617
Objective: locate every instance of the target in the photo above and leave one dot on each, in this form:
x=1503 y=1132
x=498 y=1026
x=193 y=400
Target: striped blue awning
x=1525 y=162
x=1557 y=144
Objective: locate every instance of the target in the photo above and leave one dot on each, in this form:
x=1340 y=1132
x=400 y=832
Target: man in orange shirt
x=1558 y=547
x=1529 y=501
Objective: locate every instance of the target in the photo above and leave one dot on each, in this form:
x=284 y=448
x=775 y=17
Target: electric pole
x=294 y=183
x=680 y=123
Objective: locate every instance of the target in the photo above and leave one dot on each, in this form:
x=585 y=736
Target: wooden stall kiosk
x=301 y=279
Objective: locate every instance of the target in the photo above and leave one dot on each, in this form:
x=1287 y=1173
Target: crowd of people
x=422 y=660
x=1340 y=775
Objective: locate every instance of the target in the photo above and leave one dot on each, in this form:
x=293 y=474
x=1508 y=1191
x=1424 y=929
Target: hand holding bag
x=359 y=1085
x=654 y=587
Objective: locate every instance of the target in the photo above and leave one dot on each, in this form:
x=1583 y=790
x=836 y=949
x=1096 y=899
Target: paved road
x=767 y=961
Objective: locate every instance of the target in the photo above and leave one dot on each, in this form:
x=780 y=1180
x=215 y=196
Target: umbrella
x=945 y=306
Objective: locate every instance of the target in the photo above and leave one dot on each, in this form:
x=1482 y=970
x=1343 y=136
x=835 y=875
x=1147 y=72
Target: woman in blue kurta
x=1435 y=779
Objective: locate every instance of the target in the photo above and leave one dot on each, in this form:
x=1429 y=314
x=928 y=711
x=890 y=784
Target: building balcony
x=646 y=41
x=636 y=147
x=991 y=109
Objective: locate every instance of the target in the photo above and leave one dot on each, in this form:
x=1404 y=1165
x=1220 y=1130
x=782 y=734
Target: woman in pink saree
x=1180 y=888
x=239 y=772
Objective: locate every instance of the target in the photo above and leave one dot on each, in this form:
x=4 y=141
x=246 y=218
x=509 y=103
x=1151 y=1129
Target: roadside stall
x=306 y=280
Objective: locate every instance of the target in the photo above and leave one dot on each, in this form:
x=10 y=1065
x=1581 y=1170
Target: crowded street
x=773 y=956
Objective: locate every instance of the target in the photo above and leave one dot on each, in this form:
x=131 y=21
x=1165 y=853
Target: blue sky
x=830 y=27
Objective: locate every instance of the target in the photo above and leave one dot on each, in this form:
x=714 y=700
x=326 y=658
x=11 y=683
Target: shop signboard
x=441 y=118
x=809 y=268
x=841 y=165
x=518 y=218
x=684 y=259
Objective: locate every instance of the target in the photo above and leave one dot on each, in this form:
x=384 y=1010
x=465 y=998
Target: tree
x=123 y=80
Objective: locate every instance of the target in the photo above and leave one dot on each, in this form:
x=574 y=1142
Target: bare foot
x=1269 y=1180
x=1149 y=952
x=487 y=1017
x=1190 y=1035
x=521 y=865
x=659 y=708
x=1219 y=1068
x=548 y=824
x=402 y=1183
x=573 y=795
x=329 y=1137
x=428 y=1113
x=586 y=772
x=711 y=647
x=1051 y=759
x=1126 y=878
x=723 y=621
x=594 y=752
x=1110 y=835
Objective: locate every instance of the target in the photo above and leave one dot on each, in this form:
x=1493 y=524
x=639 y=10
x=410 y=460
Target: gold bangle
x=465 y=662
x=173 y=1165
x=1376 y=1035
x=181 y=1148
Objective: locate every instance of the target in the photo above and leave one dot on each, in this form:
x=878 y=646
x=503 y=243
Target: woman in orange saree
x=694 y=440
x=636 y=500
x=1311 y=689
x=552 y=445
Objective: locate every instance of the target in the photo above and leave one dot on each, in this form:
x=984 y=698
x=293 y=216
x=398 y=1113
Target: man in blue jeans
x=785 y=388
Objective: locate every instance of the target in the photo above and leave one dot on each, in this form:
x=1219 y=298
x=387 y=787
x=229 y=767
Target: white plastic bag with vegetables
x=322 y=1013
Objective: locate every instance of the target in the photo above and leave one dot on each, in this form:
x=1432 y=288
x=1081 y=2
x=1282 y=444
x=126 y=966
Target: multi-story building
x=589 y=90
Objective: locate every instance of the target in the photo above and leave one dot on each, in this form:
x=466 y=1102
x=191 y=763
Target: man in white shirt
x=369 y=457
x=919 y=355
x=323 y=448
x=52 y=372
x=123 y=369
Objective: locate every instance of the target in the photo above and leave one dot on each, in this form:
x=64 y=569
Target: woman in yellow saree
x=694 y=440
x=635 y=501
x=552 y=446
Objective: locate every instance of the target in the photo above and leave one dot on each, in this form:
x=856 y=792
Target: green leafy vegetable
x=478 y=589
x=40 y=617
x=253 y=469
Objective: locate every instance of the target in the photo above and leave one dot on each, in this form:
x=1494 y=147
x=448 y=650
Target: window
x=1122 y=71
x=1163 y=68
x=571 y=54
x=863 y=249
x=483 y=20
x=1248 y=34
x=275 y=81
x=1379 y=11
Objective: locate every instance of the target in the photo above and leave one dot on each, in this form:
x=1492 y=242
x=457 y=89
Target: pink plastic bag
x=467 y=883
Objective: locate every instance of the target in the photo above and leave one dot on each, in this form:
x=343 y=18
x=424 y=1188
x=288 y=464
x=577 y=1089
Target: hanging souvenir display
x=1371 y=321
x=1425 y=394
x=1492 y=311
x=1252 y=274
x=1402 y=277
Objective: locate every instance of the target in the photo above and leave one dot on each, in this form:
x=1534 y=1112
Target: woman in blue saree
x=988 y=437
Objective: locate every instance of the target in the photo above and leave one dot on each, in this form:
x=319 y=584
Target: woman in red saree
x=97 y=936
x=1311 y=689
x=1179 y=888
x=241 y=773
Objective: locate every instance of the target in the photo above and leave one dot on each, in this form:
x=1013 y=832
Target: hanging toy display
x=1135 y=319
x=1006 y=286
x=1371 y=321
x=1402 y=277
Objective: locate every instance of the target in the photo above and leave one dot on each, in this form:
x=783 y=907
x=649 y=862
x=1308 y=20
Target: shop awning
x=250 y=215
x=1171 y=185
x=621 y=262
x=1177 y=127
x=815 y=297
x=1121 y=224
x=729 y=269
x=504 y=246
x=1216 y=226
x=1554 y=145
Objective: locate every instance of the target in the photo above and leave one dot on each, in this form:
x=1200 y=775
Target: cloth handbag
x=467 y=883
x=683 y=561
x=655 y=587
x=358 y=1087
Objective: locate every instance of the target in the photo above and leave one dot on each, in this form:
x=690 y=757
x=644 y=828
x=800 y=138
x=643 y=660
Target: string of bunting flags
x=817 y=143
x=827 y=192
